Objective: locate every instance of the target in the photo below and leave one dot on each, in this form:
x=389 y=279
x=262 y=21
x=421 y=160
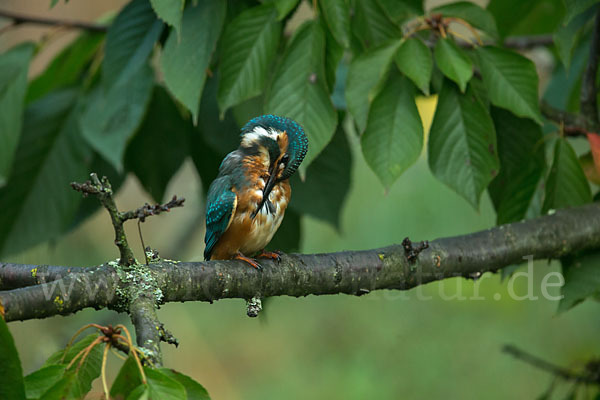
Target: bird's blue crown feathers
x=298 y=142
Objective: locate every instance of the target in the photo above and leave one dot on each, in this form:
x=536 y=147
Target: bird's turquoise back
x=219 y=211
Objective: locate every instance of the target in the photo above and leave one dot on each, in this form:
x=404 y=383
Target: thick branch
x=14 y=276
x=97 y=288
x=19 y=19
x=589 y=107
x=147 y=328
x=351 y=272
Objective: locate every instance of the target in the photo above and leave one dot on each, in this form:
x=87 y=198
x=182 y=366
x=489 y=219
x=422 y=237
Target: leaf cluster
x=69 y=373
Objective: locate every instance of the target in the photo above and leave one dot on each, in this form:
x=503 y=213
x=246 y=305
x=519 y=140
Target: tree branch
x=528 y=42
x=14 y=276
x=138 y=292
x=351 y=272
x=591 y=376
x=589 y=107
x=147 y=327
x=573 y=124
x=18 y=19
x=98 y=288
x=103 y=190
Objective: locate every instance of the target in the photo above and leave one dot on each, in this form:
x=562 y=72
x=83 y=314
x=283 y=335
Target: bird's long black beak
x=266 y=191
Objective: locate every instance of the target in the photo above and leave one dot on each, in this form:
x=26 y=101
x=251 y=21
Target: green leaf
x=566 y=37
x=170 y=11
x=64 y=356
x=453 y=62
x=38 y=382
x=193 y=390
x=67 y=67
x=337 y=16
x=400 y=11
x=283 y=6
x=129 y=42
x=582 y=279
x=66 y=388
x=36 y=202
x=462 y=143
x=77 y=380
x=14 y=65
x=299 y=89
x=112 y=116
x=511 y=81
x=248 y=48
x=222 y=135
x=366 y=74
x=393 y=139
x=575 y=8
x=522 y=163
x=11 y=374
x=213 y=138
x=327 y=182
x=333 y=56
x=476 y=16
x=163 y=128
x=371 y=25
x=184 y=62
x=159 y=386
x=415 y=61
x=126 y=381
x=566 y=185
x=287 y=238
x=531 y=17
x=205 y=158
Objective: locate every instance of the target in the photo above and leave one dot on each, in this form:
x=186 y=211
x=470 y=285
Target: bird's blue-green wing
x=220 y=207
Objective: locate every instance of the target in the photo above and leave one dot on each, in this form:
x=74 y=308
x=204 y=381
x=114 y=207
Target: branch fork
x=138 y=289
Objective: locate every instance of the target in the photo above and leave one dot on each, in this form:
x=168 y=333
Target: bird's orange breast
x=246 y=234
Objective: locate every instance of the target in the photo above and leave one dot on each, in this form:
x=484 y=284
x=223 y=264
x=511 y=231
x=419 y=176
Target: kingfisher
x=247 y=201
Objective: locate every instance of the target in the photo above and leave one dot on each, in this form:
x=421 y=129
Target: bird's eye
x=285 y=159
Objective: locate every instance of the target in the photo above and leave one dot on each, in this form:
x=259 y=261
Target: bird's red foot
x=240 y=256
x=273 y=255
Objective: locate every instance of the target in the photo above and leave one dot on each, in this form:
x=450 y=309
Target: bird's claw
x=273 y=255
x=248 y=260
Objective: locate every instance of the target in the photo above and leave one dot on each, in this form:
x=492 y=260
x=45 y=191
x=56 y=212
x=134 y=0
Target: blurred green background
x=429 y=342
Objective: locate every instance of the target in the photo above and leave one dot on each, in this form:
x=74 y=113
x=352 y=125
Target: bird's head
x=281 y=144
x=282 y=139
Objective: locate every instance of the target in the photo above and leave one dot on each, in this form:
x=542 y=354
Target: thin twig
x=558 y=371
x=148 y=210
x=528 y=42
x=19 y=19
x=574 y=124
x=103 y=371
x=589 y=106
